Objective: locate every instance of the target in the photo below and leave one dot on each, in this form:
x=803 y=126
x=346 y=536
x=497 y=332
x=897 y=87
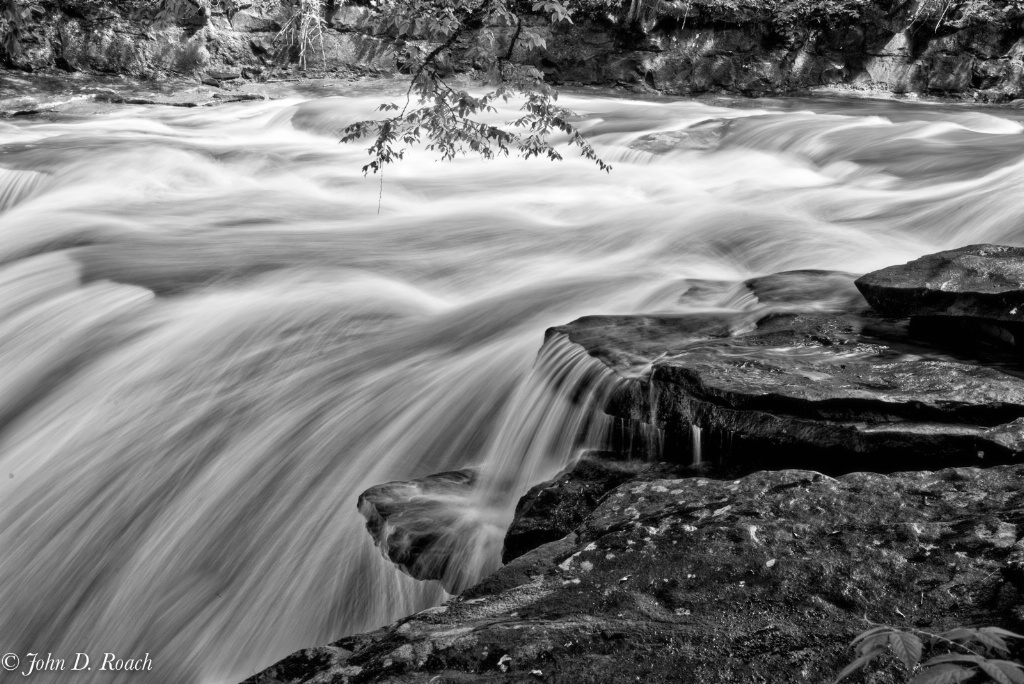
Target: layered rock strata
x=835 y=393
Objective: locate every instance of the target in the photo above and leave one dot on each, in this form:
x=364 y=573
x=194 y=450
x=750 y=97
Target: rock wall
x=680 y=48
x=890 y=49
x=245 y=40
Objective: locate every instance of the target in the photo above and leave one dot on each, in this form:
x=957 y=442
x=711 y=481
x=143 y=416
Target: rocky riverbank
x=764 y=578
x=922 y=48
x=749 y=545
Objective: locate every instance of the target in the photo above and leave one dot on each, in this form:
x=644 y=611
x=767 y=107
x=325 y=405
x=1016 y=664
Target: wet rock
x=553 y=509
x=970 y=298
x=422 y=525
x=763 y=578
x=630 y=343
x=828 y=391
x=978 y=281
x=705 y=135
x=809 y=288
x=223 y=75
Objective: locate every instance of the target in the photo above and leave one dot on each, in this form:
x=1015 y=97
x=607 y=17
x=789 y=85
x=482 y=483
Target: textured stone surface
x=979 y=281
x=765 y=578
x=823 y=390
x=251 y=22
x=553 y=509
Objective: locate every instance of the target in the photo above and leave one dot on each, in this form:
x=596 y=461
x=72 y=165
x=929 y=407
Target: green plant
x=966 y=652
x=447 y=119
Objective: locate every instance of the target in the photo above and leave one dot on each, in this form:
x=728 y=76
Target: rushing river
x=211 y=340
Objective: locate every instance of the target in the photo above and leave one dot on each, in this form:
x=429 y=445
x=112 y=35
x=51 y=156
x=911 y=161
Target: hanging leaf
x=907 y=648
x=960 y=634
x=1001 y=632
x=874 y=641
x=992 y=641
x=1003 y=671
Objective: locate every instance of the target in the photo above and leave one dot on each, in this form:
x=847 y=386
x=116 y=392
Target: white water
x=211 y=342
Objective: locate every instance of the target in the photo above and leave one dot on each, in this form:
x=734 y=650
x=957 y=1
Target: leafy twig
x=945 y=668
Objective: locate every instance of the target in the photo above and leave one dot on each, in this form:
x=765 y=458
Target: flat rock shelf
x=826 y=391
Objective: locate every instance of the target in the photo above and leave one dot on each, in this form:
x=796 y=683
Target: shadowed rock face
x=834 y=392
x=553 y=509
x=764 y=578
x=979 y=281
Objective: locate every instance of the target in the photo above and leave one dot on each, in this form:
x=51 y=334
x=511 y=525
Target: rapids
x=211 y=341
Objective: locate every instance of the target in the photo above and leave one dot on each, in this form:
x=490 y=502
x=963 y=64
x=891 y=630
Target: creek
x=215 y=332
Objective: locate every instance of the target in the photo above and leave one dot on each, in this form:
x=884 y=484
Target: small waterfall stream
x=211 y=342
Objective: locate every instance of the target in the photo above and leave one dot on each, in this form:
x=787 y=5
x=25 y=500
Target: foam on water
x=211 y=341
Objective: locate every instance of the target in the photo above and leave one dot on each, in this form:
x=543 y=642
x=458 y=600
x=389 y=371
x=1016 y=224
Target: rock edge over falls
x=726 y=531
x=675 y=47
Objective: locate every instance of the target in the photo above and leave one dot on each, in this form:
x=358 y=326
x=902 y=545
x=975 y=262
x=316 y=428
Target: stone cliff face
x=675 y=47
x=887 y=48
x=227 y=39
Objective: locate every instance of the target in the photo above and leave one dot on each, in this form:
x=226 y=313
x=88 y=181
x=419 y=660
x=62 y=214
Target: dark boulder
x=224 y=75
x=764 y=578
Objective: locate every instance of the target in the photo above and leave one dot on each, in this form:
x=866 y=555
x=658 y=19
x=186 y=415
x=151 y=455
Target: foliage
x=966 y=652
x=781 y=15
x=641 y=9
x=785 y=16
x=952 y=15
x=447 y=119
x=830 y=13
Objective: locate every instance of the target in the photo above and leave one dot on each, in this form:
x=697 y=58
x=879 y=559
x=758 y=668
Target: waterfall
x=211 y=343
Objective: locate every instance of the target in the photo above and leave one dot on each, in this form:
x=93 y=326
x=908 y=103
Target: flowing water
x=211 y=340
